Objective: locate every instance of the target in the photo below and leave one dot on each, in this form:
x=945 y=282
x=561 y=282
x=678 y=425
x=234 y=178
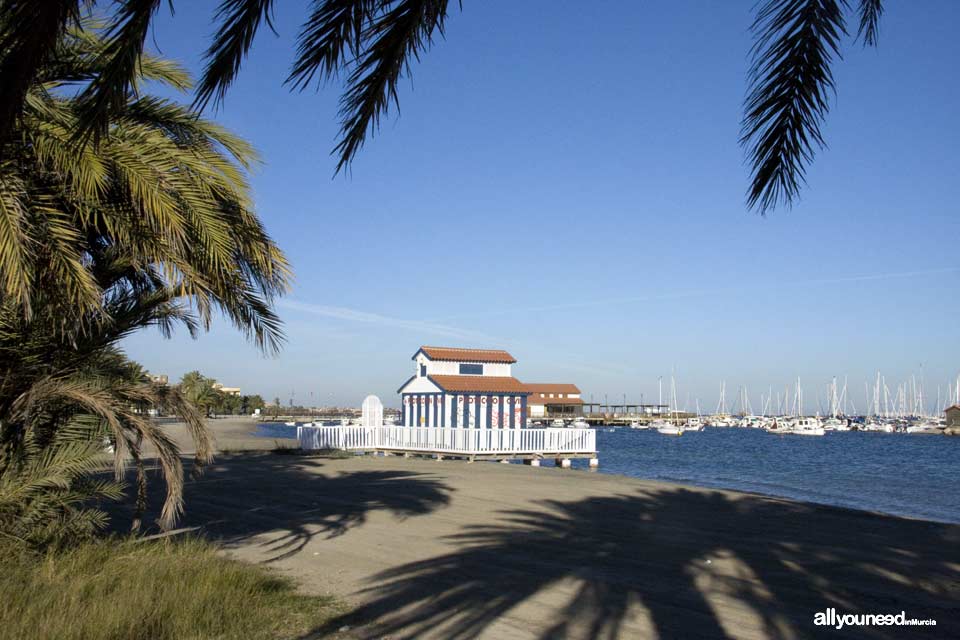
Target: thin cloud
x=698 y=293
x=365 y=317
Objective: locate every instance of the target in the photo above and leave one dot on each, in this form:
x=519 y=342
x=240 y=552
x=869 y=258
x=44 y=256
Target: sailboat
x=695 y=423
x=670 y=428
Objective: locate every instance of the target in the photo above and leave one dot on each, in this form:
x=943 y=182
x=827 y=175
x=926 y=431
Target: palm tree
x=152 y=226
x=161 y=204
x=199 y=390
x=373 y=42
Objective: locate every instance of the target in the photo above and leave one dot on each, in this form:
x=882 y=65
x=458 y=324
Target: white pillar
x=447 y=409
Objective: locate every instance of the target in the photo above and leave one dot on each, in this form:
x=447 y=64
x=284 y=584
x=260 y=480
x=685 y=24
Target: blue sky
x=564 y=181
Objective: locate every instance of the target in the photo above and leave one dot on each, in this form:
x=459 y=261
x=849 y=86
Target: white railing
x=451 y=441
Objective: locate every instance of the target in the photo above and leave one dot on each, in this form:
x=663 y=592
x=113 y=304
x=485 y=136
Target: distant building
x=159 y=379
x=230 y=391
x=554 y=400
x=467 y=388
x=952 y=414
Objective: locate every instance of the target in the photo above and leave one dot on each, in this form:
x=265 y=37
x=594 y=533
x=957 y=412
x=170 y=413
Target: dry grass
x=150 y=591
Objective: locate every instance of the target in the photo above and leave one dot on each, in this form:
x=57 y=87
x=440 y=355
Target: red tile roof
x=544 y=387
x=467 y=355
x=479 y=384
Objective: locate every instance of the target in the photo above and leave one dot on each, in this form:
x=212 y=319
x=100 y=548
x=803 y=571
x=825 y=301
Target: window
x=423 y=371
x=471 y=369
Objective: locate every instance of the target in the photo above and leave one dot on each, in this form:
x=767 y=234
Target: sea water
x=899 y=474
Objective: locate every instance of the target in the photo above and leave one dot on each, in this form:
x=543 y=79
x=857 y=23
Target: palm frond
x=123 y=50
x=15 y=245
x=238 y=22
x=46 y=491
x=402 y=31
x=334 y=28
x=790 y=79
x=870 y=12
x=29 y=32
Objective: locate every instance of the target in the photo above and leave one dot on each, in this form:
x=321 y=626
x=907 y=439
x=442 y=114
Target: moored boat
x=668 y=429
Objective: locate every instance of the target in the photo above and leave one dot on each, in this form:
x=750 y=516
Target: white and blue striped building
x=464 y=388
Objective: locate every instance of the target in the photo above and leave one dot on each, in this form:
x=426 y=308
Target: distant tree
x=373 y=43
x=199 y=390
x=252 y=403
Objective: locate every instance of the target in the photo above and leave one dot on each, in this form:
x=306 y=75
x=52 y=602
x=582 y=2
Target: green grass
x=159 y=590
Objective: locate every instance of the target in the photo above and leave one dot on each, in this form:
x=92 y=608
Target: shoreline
x=237 y=434
x=421 y=548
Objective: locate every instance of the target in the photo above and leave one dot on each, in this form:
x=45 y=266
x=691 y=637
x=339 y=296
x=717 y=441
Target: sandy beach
x=422 y=548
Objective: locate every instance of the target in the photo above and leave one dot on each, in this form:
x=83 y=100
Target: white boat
x=835 y=424
x=290 y=424
x=925 y=428
x=805 y=427
x=580 y=423
x=344 y=422
x=668 y=429
x=876 y=426
x=639 y=425
x=557 y=423
x=693 y=424
x=777 y=425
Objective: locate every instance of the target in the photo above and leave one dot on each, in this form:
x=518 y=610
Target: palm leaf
x=237 y=24
x=790 y=79
x=404 y=30
x=870 y=12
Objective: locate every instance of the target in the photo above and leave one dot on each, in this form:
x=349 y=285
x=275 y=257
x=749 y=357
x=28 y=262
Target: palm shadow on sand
x=636 y=564
x=285 y=501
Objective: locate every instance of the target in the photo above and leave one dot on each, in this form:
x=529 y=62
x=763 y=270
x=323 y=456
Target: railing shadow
x=288 y=501
x=675 y=563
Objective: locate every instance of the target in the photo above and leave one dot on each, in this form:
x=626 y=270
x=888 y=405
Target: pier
x=525 y=444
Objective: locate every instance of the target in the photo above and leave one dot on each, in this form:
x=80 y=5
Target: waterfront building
x=952 y=414
x=454 y=387
x=551 y=400
x=465 y=388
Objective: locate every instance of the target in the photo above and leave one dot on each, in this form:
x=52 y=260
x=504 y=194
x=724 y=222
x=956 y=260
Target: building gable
x=418 y=384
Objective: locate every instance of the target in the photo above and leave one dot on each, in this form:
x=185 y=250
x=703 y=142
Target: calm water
x=893 y=473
